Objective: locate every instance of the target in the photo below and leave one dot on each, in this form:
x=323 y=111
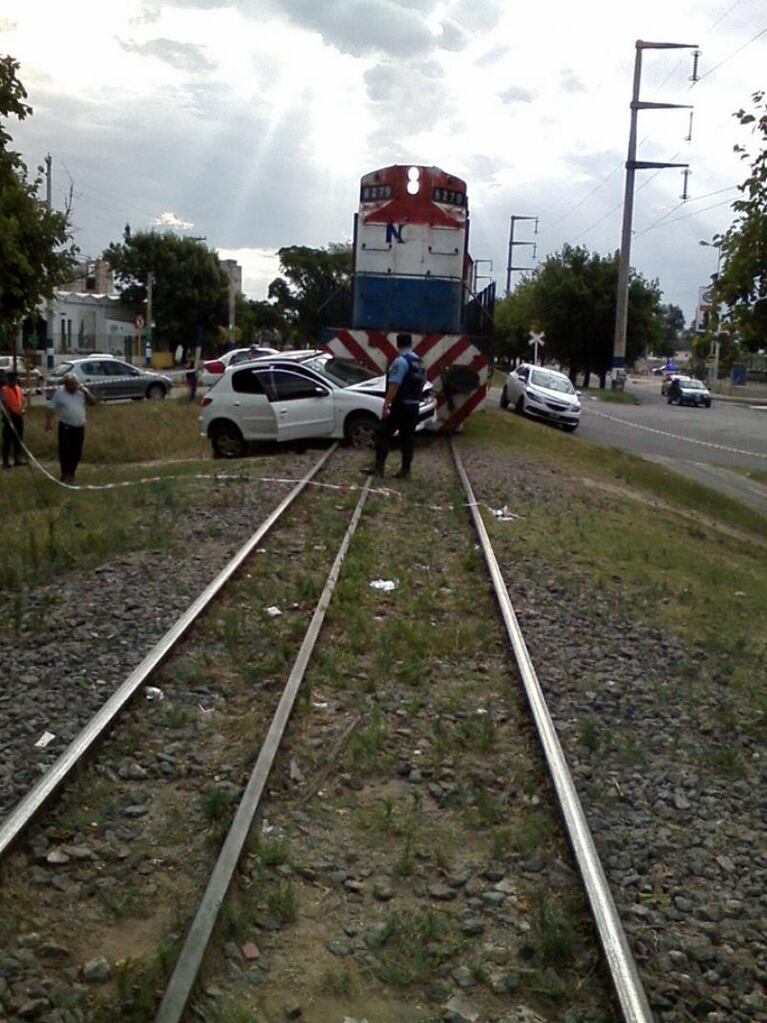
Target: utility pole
x=478 y=276
x=510 y=268
x=632 y=166
x=49 y=326
x=230 y=332
x=149 y=321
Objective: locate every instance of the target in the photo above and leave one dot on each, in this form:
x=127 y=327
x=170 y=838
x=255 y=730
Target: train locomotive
x=413 y=273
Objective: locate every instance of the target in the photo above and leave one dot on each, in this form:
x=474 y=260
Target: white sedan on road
x=297 y=396
x=545 y=393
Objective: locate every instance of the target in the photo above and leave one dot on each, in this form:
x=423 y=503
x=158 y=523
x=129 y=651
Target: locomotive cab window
x=449 y=196
x=374 y=193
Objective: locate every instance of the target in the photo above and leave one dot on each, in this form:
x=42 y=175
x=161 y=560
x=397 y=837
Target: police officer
x=404 y=387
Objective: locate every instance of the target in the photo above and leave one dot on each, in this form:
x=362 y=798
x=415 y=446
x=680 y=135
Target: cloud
x=182 y=56
x=491 y=56
x=453 y=37
x=478 y=15
x=172 y=222
x=406 y=101
x=570 y=82
x=360 y=27
x=516 y=94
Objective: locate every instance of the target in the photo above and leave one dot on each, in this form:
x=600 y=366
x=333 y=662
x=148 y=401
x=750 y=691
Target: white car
x=546 y=393
x=214 y=369
x=297 y=396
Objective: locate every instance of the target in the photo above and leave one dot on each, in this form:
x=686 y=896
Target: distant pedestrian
x=405 y=382
x=12 y=397
x=68 y=403
x=191 y=377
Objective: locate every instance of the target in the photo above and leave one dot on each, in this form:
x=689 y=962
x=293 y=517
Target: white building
x=88 y=322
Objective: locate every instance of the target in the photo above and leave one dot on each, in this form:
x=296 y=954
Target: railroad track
x=340 y=759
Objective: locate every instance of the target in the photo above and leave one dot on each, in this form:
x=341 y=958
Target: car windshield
x=553 y=381
x=692 y=385
x=341 y=372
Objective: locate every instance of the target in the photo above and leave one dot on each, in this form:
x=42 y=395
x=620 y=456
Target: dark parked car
x=687 y=391
x=108 y=378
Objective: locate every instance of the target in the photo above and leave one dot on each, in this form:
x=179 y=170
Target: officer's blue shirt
x=397 y=372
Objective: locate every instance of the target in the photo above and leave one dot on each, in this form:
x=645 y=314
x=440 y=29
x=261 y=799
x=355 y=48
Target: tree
x=572 y=297
x=36 y=252
x=311 y=279
x=514 y=319
x=672 y=325
x=190 y=292
x=742 y=282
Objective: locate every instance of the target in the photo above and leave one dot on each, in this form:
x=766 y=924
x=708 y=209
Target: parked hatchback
x=108 y=378
x=297 y=396
x=545 y=393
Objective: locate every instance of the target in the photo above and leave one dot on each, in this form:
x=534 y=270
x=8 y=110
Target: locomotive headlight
x=414 y=180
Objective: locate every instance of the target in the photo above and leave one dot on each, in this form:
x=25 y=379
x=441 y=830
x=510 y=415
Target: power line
x=693 y=213
x=733 y=54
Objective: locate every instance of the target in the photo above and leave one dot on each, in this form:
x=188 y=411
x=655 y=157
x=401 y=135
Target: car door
x=124 y=380
x=248 y=404
x=303 y=406
x=93 y=374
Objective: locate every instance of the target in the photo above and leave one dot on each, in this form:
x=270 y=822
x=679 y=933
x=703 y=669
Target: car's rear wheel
x=227 y=441
x=360 y=429
x=504 y=398
x=519 y=408
x=155 y=392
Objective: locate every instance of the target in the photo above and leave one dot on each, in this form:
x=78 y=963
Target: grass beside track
x=48 y=530
x=662 y=545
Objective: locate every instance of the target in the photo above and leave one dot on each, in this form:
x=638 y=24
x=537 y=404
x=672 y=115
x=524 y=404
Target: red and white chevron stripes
x=376 y=349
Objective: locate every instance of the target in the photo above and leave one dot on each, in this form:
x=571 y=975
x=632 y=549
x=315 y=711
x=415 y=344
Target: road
x=698 y=443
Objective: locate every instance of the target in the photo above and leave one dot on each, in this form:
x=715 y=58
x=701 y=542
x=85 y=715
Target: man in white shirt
x=68 y=403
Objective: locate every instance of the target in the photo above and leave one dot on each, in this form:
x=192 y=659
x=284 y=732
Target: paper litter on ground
x=387 y=585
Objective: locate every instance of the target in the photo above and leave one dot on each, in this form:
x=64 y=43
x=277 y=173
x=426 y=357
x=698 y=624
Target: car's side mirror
x=578 y=394
x=321 y=392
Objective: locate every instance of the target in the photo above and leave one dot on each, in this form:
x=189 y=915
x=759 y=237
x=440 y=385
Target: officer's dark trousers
x=70 y=450
x=402 y=420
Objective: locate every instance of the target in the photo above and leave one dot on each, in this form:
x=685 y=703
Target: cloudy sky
x=250 y=122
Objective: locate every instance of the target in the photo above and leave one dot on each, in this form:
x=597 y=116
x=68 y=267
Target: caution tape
x=502 y=514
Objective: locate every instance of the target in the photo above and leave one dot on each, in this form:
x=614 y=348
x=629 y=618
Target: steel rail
x=19 y=818
x=620 y=961
x=184 y=975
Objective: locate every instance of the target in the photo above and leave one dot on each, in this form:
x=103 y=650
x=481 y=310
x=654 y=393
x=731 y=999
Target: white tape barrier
x=676 y=436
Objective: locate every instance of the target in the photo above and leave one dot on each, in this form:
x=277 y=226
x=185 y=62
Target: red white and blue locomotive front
x=412 y=273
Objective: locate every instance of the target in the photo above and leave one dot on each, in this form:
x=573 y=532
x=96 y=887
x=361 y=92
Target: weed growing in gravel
x=477 y=733
x=553 y=931
x=366 y=746
x=588 y=735
x=217 y=805
x=272 y=852
x=282 y=902
x=500 y=843
x=532 y=832
x=237 y=918
x=337 y=982
x=137 y=983
x=416 y=944
x=175 y=716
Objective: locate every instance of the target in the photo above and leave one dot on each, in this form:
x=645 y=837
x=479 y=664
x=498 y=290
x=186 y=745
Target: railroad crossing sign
x=536 y=338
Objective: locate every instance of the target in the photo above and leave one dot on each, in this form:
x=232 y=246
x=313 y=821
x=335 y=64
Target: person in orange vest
x=12 y=398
